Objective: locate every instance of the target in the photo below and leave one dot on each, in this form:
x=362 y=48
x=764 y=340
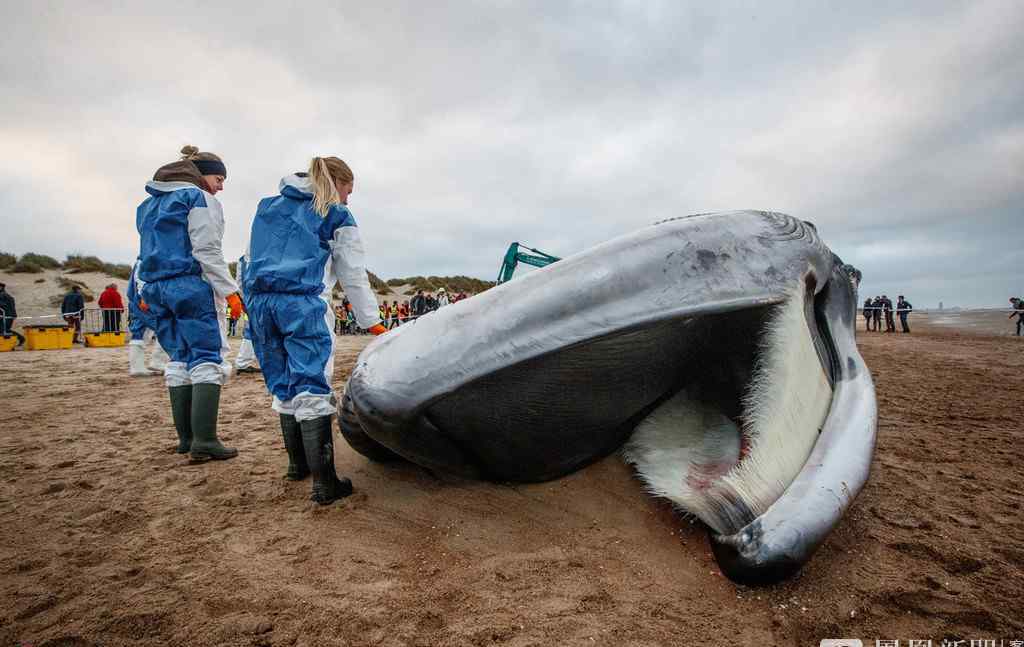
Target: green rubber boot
x=316 y=440
x=181 y=412
x=298 y=469
x=205 y=446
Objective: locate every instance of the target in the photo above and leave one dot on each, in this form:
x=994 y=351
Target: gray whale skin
x=538 y=377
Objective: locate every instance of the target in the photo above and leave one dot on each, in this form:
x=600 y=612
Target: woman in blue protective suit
x=302 y=241
x=186 y=281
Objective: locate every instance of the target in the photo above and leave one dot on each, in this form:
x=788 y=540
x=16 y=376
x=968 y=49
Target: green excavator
x=514 y=256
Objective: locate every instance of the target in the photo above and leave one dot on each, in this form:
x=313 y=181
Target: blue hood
x=296 y=186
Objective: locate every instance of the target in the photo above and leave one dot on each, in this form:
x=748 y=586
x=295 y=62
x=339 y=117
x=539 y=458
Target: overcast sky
x=897 y=130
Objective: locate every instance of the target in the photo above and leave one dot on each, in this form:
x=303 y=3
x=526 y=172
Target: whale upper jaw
x=537 y=377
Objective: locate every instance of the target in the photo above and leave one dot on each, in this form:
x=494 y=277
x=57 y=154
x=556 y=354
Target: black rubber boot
x=181 y=412
x=205 y=446
x=298 y=469
x=316 y=440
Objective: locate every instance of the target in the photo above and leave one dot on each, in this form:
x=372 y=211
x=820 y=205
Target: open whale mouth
x=753 y=398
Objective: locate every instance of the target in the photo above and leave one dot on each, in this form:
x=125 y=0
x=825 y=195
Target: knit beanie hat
x=207 y=163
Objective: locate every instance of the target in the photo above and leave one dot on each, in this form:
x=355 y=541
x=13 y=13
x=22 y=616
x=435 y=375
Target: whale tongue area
x=726 y=459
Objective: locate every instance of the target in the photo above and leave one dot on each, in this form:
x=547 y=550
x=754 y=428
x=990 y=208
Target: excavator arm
x=514 y=256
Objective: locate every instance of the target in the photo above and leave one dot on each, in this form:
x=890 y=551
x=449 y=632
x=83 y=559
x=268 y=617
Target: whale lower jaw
x=727 y=469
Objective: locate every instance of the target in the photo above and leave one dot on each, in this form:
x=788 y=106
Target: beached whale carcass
x=717 y=350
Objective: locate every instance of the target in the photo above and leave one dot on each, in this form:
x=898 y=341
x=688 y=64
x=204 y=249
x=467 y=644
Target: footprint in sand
x=953 y=564
x=935 y=606
x=38 y=603
x=68 y=641
x=900 y=519
x=55 y=487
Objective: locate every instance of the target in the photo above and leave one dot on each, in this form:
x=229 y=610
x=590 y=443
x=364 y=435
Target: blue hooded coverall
x=186 y=279
x=295 y=257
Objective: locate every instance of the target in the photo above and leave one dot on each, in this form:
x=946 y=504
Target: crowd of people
x=874 y=310
x=395 y=313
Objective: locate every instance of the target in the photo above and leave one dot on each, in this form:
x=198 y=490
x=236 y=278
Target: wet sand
x=977 y=322
x=110 y=539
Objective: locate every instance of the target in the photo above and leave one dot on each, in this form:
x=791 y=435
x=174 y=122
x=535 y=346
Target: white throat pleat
x=689 y=452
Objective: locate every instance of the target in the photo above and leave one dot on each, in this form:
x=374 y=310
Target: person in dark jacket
x=867 y=313
x=890 y=323
x=903 y=309
x=71 y=309
x=876 y=314
x=8 y=315
x=418 y=304
x=1018 y=311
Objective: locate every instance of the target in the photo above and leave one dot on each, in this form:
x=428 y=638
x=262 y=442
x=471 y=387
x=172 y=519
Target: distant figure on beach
x=245 y=360
x=1018 y=311
x=396 y=315
x=234 y=313
x=868 y=313
x=8 y=313
x=418 y=305
x=71 y=309
x=890 y=323
x=341 y=317
x=112 y=306
x=903 y=309
x=876 y=314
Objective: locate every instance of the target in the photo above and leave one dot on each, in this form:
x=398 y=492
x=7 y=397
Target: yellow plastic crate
x=95 y=339
x=8 y=342
x=48 y=337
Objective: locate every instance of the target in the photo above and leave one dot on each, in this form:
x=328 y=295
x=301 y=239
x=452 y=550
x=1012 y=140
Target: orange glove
x=235 y=302
x=143 y=305
x=378 y=329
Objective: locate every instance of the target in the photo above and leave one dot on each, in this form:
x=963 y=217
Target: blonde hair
x=323 y=173
x=192 y=153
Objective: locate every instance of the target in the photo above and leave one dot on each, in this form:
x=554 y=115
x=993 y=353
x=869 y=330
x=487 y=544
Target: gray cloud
x=898 y=131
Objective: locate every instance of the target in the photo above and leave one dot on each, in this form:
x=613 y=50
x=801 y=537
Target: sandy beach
x=111 y=539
